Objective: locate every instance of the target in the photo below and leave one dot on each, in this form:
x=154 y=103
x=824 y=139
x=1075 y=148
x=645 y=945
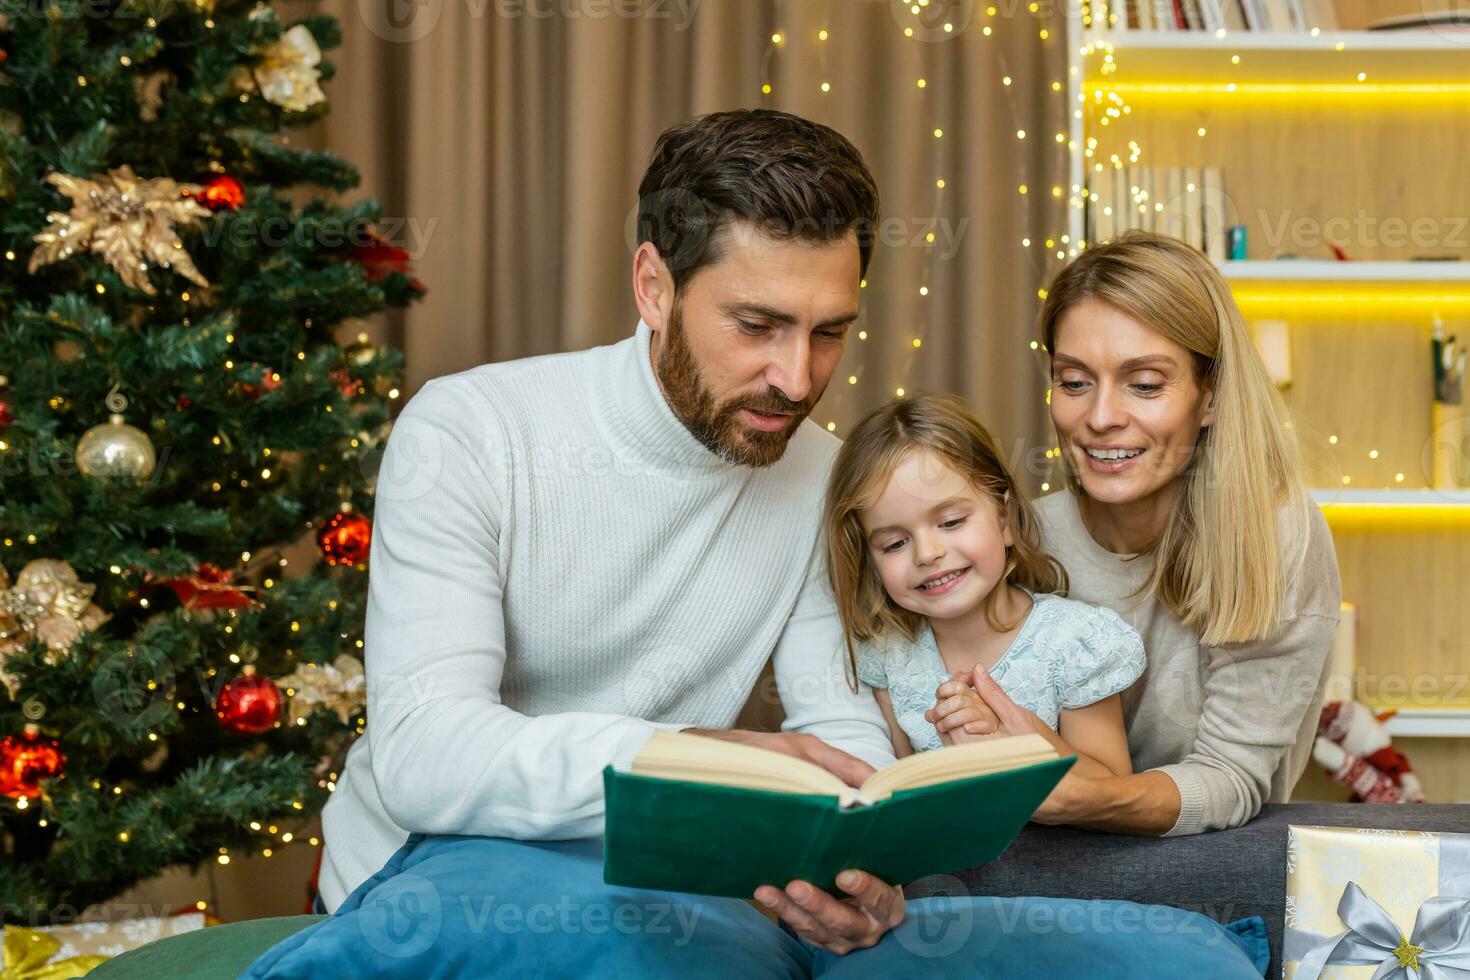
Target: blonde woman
x=1187 y=516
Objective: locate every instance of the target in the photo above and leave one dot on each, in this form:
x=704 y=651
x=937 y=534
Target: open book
x=704 y=815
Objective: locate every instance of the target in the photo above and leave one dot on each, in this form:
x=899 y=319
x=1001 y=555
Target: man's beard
x=718 y=427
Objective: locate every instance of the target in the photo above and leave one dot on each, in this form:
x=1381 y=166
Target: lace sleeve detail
x=1105 y=657
x=870 y=669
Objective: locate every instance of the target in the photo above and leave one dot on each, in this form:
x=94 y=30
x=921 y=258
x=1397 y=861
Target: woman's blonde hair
x=1228 y=551
x=942 y=425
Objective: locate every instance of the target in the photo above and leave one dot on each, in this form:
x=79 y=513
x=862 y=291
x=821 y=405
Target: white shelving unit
x=1424 y=58
x=1310 y=270
x=1430 y=723
x=1327 y=496
x=1430 y=61
x=1204 y=65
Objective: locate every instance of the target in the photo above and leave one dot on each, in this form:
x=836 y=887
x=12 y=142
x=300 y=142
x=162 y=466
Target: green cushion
x=221 y=952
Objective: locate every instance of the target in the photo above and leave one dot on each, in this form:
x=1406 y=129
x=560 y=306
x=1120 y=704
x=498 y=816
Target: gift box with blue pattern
x=1382 y=904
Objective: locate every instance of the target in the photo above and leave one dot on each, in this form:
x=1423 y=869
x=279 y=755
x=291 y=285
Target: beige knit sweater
x=1231 y=725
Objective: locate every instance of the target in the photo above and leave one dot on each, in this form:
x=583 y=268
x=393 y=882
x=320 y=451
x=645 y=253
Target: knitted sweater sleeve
x=811 y=675
x=1261 y=701
x=447 y=755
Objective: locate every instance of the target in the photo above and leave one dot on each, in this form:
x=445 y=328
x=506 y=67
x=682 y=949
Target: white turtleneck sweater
x=559 y=568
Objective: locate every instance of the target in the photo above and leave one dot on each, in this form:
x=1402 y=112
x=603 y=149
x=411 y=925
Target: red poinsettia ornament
x=210 y=587
x=269 y=381
x=378 y=259
x=346 y=383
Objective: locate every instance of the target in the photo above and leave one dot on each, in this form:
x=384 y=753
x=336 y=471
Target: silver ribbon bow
x=1437 y=949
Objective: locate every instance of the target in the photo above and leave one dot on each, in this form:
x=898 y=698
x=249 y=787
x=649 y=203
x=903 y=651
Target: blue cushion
x=452 y=906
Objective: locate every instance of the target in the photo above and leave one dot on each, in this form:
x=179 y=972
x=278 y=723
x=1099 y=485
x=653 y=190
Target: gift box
x=1382 y=904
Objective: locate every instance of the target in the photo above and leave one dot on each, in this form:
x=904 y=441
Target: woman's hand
x=856 y=921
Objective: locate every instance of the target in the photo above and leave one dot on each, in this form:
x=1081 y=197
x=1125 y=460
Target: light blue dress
x=1067 y=654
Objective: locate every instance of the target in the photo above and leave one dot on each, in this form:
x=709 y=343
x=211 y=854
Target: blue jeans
x=477 y=906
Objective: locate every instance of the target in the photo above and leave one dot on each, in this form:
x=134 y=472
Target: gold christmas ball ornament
x=115 y=449
x=361 y=352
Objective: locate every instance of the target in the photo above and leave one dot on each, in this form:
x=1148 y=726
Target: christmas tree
x=176 y=412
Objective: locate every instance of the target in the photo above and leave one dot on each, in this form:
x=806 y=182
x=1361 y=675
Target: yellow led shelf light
x=1397 y=517
x=1361 y=301
x=1400 y=95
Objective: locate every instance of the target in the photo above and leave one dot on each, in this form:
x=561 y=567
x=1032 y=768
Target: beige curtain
x=507 y=138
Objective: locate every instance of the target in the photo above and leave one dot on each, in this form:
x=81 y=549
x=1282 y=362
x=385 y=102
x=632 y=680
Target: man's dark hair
x=790 y=177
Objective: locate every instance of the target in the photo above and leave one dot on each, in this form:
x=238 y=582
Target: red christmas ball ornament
x=27 y=759
x=346 y=539
x=221 y=193
x=249 y=704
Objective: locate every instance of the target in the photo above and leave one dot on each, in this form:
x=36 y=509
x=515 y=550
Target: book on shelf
x=1437 y=20
x=1171 y=219
x=1194 y=227
x=1136 y=191
x=1278 y=15
x=703 y=815
x=1212 y=15
x=1122 y=204
x=1212 y=210
x=1282 y=16
x=1185 y=202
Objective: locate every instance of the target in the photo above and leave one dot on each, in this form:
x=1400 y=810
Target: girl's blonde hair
x=942 y=425
x=1219 y=564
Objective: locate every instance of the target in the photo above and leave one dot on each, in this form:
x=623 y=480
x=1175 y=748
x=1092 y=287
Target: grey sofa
x=1225 y=875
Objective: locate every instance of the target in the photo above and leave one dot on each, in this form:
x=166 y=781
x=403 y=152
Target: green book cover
x=724 y=840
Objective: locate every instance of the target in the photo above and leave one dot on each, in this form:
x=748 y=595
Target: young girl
x=942 y=587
